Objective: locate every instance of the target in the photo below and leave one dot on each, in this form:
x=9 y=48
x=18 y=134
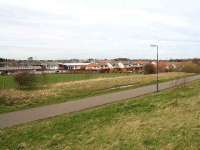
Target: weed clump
x=25 y=80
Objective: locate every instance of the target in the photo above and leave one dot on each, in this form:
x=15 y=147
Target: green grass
x=167 y=120
x=12 y=99
x=7 y=82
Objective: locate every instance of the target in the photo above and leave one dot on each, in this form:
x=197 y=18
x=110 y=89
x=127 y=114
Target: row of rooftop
x=39 y=66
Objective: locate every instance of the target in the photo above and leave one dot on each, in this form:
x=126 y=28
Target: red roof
x=92 y=65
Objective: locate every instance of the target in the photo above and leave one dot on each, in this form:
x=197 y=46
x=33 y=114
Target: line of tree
x=191 y=67
x=3 y=60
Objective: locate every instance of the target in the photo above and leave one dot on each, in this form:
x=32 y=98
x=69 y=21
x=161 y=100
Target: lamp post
x=154 y=45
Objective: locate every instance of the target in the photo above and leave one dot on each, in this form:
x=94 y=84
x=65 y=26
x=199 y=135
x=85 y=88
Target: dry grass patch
x=60 y=92
x=13 y=96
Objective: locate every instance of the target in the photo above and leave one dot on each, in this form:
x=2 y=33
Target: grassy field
x=7 y=82
x=167 y=120
x=13 y=99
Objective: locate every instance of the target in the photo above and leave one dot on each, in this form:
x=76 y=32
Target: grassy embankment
x=13 y=99
x=165 y=120
x=7 y=82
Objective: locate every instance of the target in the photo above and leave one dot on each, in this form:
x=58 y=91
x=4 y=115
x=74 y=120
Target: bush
x=191 y=68
x=25 y=80
x=196 y=61
x=149 y=69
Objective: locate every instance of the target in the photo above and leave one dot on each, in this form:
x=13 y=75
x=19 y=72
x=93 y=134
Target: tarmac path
x=24 y=116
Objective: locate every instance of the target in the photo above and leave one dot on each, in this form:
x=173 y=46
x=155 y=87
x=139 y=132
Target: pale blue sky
x=62 y=29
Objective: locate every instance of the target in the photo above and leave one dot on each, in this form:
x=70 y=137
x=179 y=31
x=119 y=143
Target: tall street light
x=154 y=45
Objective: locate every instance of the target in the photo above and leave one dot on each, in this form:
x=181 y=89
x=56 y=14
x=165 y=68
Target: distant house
x=11 y=70
x=137 y=66
x=92 y=67
x=75 y=66
x=117 y=65
x=50 y=66
x=128 y=65
x=142 y=62
x=105 y=65
x=165 y=66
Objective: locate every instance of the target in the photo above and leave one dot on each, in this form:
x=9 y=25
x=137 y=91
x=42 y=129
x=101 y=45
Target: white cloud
x=99 y=28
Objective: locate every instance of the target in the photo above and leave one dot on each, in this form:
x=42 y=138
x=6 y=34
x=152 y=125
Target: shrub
x=149 y=69
x=191 y=68
x=25 y=80
x=196 y=61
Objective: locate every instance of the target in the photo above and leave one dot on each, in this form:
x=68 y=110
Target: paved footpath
x=24 y=116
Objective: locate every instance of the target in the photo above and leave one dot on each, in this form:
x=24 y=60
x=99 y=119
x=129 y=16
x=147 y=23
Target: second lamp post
x=155 y=45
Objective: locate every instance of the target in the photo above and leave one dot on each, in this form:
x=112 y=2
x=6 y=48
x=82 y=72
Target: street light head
x=154 y=45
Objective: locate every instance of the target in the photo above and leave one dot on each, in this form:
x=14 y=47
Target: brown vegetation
x=149 y=69
x=25 y=80
x=190 y=67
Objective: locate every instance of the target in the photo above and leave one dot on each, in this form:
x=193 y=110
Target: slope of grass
x=7 y=82
x=12 y=99
x=167 y=120
x=17 y=99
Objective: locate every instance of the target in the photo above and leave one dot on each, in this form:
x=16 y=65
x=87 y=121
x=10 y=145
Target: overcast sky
x=63 y=29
